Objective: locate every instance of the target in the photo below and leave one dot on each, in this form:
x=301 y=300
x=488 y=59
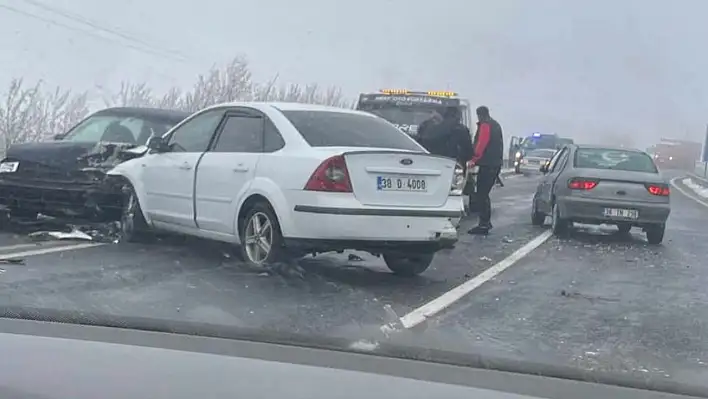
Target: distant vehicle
x=407 y=109
x=519 y=146
x=676 y=154
x=534 y=159
x=284 y=180
x=602 y=185
x=66 y=177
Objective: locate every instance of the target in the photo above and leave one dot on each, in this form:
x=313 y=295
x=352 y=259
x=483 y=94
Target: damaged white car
x=65 y=178
x=284 y=180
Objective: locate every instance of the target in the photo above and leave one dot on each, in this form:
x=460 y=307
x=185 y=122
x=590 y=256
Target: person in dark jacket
x=449 y=137
x=488 y=155
x=425 y=127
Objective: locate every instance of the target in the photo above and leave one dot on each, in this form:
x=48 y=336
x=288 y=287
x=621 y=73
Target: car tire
x=537 y=218
x=559 y=226
x=252 y=240
x=655 y=234
x=408 y=265
x=624 y=228
x=133 y=226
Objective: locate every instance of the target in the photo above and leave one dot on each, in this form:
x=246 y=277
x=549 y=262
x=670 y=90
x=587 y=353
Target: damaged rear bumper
x=99 y=200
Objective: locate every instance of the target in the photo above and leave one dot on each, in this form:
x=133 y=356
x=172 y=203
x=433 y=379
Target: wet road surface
x=594 y=300
x=598 y=300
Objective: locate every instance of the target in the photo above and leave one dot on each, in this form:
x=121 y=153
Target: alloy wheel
x=258 y=239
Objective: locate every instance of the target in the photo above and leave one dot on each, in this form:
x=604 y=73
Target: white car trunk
x=400 y=178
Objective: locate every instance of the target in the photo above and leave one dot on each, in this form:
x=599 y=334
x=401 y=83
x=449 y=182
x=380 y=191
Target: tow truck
x=519 y=146
x=407 y=109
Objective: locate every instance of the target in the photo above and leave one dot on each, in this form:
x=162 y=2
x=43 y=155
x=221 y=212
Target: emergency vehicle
x=519 y=146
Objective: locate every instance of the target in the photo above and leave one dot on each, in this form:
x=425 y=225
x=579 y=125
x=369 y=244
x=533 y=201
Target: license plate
x=532 y=162
x=9 y=167
x=401 y=183
x=622 y=213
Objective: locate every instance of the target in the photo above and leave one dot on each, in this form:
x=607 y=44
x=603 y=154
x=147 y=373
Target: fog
x=627 y=70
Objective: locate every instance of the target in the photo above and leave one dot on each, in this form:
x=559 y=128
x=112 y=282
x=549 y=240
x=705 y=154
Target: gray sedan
x=533 y=160
x=602 y=185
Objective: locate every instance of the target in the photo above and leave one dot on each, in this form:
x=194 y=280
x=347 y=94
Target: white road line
x=19 y=246
x=686 y=193
x=43 y=251
x=442 y=302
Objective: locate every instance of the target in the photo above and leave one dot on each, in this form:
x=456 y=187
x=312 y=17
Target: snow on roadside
x=695 y=187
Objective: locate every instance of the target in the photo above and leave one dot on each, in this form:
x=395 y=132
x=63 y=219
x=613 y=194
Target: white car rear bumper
x=368 y=228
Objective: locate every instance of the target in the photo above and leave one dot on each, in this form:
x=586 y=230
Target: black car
x=66 y=178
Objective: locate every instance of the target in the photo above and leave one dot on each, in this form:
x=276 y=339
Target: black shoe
x=480 y=230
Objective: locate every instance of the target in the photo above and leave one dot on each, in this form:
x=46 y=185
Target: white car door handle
x=185 y=166
x=241 y=168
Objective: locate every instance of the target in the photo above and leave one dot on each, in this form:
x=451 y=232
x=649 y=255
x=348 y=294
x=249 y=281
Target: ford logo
x=406 y=161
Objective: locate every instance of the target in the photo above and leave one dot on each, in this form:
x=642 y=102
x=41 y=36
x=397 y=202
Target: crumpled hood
x=74 y=155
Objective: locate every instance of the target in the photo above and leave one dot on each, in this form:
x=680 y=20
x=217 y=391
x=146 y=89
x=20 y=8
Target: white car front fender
x=131 y=171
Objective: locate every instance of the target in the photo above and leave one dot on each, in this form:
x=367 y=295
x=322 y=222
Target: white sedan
x=283 y=180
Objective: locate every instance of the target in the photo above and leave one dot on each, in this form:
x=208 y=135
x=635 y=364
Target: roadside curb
x=687 y=191
x=702 y=180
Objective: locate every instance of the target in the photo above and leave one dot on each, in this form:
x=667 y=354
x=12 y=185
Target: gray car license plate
x=621 y=213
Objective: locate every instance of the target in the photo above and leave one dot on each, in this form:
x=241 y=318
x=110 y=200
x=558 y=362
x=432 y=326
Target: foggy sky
x=586 y=69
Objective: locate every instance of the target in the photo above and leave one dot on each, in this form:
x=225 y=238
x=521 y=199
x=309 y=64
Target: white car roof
x=288 y=106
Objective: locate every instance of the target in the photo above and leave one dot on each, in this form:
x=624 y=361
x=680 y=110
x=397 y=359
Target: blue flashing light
x=536 y=134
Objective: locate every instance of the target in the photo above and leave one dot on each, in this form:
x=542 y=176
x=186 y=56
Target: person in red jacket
x=488 y=155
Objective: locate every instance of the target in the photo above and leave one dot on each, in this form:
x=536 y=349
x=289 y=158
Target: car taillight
x=658 y=189
x=331 y=175
x=581 y=184
x=459 y=179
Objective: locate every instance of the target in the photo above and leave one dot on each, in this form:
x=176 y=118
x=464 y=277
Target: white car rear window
x=340 y=129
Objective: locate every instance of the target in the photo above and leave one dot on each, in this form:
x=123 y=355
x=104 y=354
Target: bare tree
x=230 y=83
x=30 y=115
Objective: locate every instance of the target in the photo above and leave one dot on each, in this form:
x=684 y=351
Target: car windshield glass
x=117 y=129
x=601 y=158
x=343 y=129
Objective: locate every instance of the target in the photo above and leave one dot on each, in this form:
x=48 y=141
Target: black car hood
x=73 y=155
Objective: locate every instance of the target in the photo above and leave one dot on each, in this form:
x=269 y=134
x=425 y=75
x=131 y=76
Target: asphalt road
x=594 y=300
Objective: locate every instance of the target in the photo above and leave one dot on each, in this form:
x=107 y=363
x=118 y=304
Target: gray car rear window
x=341 y=129
x=613 y=159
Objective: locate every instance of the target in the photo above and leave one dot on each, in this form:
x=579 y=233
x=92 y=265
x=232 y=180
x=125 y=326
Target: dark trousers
x=486 y=178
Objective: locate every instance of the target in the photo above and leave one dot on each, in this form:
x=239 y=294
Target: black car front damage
x=65 y=180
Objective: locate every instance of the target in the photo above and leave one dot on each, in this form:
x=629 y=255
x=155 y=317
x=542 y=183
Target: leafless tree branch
x=31 y=113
